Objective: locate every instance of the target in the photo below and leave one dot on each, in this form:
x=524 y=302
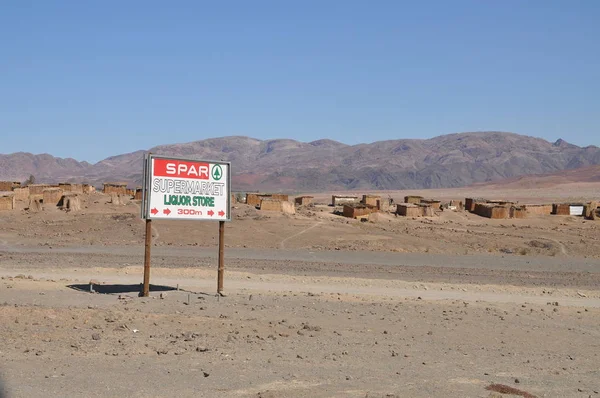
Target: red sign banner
x=181 y=169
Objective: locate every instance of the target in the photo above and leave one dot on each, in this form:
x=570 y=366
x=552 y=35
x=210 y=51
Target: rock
x=206 y=374
x=201 y=349
x=311 y=328
x=266 y=394
x=517 y=381
x=112 y=317
x=96 y=336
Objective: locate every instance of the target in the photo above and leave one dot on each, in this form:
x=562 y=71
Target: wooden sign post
x=221 y=271
x=147 y=248
x=185 y=189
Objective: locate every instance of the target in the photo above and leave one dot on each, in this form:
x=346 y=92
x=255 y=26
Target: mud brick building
x=283 y=206
x=304 y=200
x=409 y=210
x=358 y=210
x=120 y=188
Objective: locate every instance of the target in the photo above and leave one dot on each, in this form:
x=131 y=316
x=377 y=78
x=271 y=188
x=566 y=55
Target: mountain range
x=287 y=165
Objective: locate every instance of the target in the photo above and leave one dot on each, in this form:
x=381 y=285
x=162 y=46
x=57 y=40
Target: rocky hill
x=287 y=165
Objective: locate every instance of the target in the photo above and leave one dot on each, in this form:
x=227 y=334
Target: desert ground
x=317 y=305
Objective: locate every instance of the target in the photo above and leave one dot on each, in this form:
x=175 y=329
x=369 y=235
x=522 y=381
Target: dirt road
x=291 y=336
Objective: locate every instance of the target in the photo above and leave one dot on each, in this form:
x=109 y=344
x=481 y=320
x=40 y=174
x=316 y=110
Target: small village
x=65 y=196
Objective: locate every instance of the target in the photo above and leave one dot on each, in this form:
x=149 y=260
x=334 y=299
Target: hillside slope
x=287 y=165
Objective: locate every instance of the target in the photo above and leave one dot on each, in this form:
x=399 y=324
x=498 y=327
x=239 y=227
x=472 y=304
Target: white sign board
x=186 y=189
x=576 y=210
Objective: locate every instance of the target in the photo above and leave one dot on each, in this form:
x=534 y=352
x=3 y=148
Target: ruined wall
x=561 y=209
x=68 y=187
x=119 y=199
x=288 y=207
x=279 y=196
x=7 y=202
x=9 y=185
x=268 y=204
x=589 y=210
x=370 y=200
x=38 y=189
x=283 y=206
x=518 y=212
x=500 y=212
x=409 y=210
x=492 y=211
x=35 y=204
x=254 y=199
x=21 y=193
x=498 y=202
x=304 y=200
x=355 y=211
x=470 y=203
x=435 y=204
x=385 y=204
x=413 y=199
x=541 y=210
x=119 y=189
x=426 y=210
x=52 y=196
x=71 y=202
x=138 y=194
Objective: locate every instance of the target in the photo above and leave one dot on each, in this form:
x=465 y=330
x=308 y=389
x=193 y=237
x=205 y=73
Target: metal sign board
x=186 y=189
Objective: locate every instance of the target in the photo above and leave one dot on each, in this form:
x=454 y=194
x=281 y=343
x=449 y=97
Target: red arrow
x=210 y=213
x=167 y=211
x=221 y=213
x=154 y=211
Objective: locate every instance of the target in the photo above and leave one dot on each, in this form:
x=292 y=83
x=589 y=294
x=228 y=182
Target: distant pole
x=221 y=258
x=146 y=290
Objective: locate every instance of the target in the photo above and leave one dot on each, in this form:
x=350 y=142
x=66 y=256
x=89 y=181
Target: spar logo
x=181 y=169
x=217 y=172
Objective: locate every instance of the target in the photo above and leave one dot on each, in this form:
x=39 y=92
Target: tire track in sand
x=282 y=243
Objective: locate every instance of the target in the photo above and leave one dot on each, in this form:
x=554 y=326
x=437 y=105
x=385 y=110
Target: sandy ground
x=316 y=306
x=312 y=228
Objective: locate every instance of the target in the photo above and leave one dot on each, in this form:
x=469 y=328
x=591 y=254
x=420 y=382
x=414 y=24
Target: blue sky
x=91 y=79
